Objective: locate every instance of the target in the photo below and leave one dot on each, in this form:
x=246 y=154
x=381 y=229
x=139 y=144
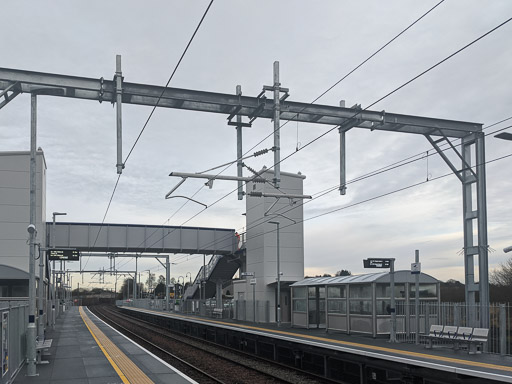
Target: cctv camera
x=31 y=228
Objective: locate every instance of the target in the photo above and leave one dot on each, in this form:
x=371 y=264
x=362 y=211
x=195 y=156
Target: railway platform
x=335 y=354
x=85 y=350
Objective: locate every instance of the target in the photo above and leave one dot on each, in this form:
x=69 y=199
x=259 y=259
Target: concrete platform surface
x=75 y=356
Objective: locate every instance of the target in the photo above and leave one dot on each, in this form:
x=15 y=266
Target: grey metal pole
x=239 y=152
x=254 y=302
x=167 y=282
x=417 y=298
x=343 y=174
x=31 y=330
x=40 y=298
x=392 y=334
x=119 y=103
x=135 y=280
x=483 y=254
x=277 y=133
x=503 y=330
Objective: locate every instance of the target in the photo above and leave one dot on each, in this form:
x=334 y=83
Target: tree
x=502 y=276
x=344 y=272
x=150 y=281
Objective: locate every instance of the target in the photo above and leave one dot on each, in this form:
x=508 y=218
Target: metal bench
x=457 y=335
x=42 y=346
x=478 y=337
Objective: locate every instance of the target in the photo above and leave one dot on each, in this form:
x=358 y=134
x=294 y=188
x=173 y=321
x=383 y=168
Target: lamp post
x=278 y=277
x=190 y=277
x=54 y=295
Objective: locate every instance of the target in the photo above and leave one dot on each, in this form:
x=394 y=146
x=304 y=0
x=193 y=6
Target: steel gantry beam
x=228 y=104
x=14 y=82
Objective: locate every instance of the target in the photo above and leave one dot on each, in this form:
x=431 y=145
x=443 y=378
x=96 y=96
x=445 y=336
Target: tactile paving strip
x=127 y=370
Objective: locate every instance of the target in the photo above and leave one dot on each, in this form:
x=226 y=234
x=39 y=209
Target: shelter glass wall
x=362 y=307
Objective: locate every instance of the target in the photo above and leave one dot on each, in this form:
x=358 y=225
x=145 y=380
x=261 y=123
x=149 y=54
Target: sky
x=316 y=43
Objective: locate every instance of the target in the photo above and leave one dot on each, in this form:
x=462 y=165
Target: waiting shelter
x=362 y=303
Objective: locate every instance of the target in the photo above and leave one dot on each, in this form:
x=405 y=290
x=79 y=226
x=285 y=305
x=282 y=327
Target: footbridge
x=133 y=238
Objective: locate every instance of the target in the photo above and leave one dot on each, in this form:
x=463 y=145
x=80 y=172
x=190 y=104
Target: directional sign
x=377 y=263
x=415 y=268
x=63 y=254
x=244 y=274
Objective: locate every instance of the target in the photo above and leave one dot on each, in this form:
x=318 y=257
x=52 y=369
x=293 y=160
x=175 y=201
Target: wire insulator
x=259 y=153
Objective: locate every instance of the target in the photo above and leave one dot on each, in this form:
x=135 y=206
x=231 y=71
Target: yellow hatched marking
x=365 y=346
x=125 y=368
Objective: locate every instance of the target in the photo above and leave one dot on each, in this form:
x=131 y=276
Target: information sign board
x=63 y=254
x=377 y=263
x=415 y=268
x=253 y=282
x=244 y=274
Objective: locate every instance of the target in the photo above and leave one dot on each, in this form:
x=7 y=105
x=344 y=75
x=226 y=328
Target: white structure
x=261 y=245
x=15 y=218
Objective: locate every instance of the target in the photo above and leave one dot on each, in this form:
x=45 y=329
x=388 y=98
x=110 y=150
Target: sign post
x=416 y=270
x=387 y=263
x=253 y=283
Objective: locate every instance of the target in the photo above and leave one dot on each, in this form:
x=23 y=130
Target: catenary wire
x=320 y=96
x=149 y=117
x=377 y=101
x=372 y=104
x=368 y=175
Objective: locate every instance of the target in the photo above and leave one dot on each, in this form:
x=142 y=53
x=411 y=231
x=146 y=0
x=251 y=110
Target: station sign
x=63 y=254
x=245 y=274
x=377 y=263
x=415 y=268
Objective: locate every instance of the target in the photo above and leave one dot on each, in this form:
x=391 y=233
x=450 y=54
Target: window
x=299 y=292
x=337 y=306
x=336 y=292
x=360 y=307
x=383 y=290
x=360 y=291
x=299 y=305
x=426 y=290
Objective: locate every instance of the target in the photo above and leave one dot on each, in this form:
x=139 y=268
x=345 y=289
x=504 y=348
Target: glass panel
x=383 y=290
x=321 y=292
x=337 y=306
x=299 y=305
x=426 y=290
x=321 y=315
x=311 y=291
x=361 y=307
x=383 y=307
x=360 y=291
x=336 y=292
x=312 y=314
x=299 y=292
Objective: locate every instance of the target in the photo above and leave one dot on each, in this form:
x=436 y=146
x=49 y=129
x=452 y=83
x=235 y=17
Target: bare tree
x=502 y=275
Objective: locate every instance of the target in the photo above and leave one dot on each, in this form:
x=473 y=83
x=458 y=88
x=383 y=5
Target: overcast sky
x=316 y=44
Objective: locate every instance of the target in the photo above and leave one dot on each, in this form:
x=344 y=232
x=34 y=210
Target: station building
x=15 y=218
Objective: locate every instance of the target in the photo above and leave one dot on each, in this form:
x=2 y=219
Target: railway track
x=205 y=362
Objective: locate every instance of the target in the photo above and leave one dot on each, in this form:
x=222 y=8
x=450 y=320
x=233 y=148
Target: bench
x=42 y=346
x=217 y=312
x=457 y=335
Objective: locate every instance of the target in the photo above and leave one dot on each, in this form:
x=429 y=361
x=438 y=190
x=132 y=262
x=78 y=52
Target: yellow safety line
x=365 y=346
x=130 y=372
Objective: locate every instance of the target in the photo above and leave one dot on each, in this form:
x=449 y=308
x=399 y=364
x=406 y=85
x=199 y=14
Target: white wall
x=261 y=238
x=15 y=207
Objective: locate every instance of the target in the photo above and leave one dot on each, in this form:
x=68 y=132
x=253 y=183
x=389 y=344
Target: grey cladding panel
x=142 y=238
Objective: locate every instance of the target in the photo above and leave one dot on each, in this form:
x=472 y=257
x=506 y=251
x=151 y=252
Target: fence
x=14 y=321
x=500 y=325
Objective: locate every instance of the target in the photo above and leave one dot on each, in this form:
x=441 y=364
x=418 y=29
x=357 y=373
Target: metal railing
x=500 y=329
x=14 y=322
